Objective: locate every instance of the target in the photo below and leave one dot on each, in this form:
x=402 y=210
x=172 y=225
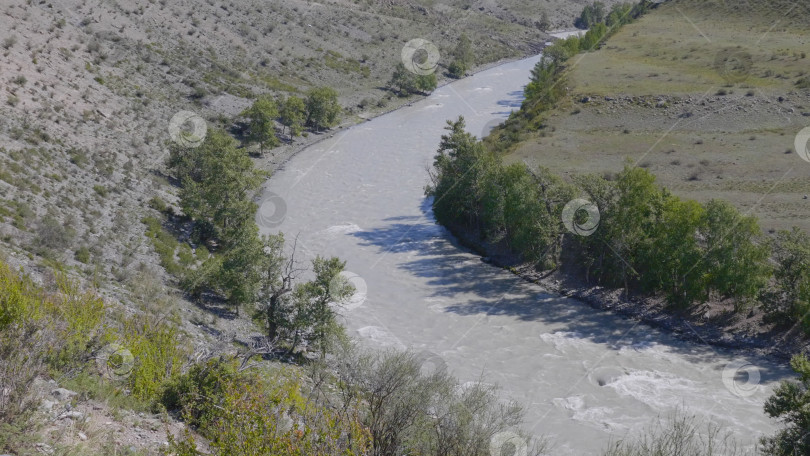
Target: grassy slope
x=665 y=109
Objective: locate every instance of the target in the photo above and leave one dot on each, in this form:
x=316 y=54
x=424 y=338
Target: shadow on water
x=514 y=101
x=482 y=289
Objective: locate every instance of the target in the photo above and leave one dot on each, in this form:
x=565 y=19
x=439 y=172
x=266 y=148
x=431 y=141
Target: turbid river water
x=581 y=374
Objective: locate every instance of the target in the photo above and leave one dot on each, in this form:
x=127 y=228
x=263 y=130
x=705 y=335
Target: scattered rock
x=73 y=415
x=47 y=405
x=82 y=436
x=63 y=394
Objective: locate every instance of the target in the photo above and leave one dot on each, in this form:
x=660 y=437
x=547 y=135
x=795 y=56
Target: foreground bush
x=66 y=331
x=259 y=413
x=677 y=435
x=790 y=403
x=413 y=406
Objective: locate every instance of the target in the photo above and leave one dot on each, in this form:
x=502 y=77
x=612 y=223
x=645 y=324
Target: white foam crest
x=661 y=390
x=562 y=339
x=346 y=228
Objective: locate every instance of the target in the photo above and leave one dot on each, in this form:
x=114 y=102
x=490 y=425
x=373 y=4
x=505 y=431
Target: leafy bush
x=411 y=407
x=789 y=403
x=323 y=109
x=788 y=301
x=251 y=412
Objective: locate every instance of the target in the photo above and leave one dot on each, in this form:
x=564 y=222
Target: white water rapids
x=582 y=375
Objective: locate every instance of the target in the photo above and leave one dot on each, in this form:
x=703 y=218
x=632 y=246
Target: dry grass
x=665 y=110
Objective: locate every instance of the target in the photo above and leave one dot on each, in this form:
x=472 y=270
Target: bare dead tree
x=260 y=346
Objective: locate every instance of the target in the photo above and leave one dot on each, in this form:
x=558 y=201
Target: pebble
x=63 y=394
x=72 y=415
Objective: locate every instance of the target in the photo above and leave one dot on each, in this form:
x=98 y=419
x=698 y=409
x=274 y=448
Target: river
x=582 y=375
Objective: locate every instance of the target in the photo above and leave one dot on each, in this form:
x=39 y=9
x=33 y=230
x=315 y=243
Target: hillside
x=89 y=88
x=708 y=96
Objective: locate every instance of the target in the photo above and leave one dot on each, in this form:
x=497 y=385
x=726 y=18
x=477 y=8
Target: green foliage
x=19 y=298
x=426 y=83
x=309 y=314
x=593 y=37
x=158 y=352
x=323 y=109
x=647 y=238
x=463 y=57
x=82 y=255
x=402 y=80
x=261 y=122
x=250 y=413
x=790 y=403
x=591 y=15
x=217 y=181
x=412 y=410
x=293 y=115
x=165 y=245
x=735 y=263
x=459 y=167
x=472 y=187
x=62 y=332
x=407 y=83
x=238 y=275
x=620 y=14
x=788 y=302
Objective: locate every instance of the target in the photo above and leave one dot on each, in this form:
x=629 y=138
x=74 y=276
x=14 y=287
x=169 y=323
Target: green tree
x=292 y=115
x=323 y=109
x=463 y=57
x=261 y=122
x=736 y=259
x=593 y=37
x=673 y=252
x=402 y=80
x=789 y=301
x=591 y=15
x=425 y=83
x=239 y=274
x=217 y=181
x=629 y=209
x=790 y=403
x=459 y=169
x=544 y=23
x=310 y=310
